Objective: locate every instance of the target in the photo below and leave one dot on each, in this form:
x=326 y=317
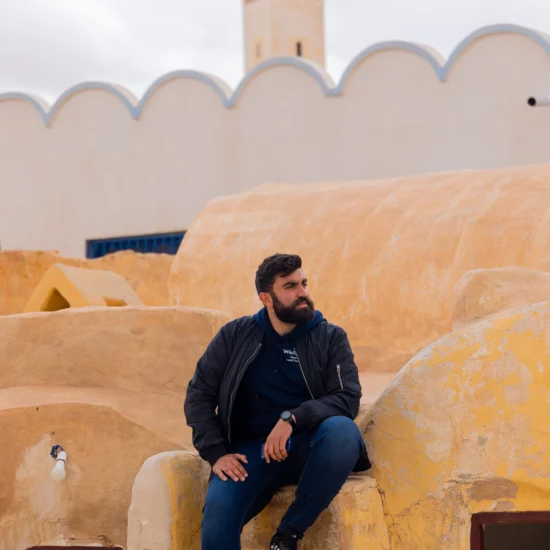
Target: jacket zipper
x=339 y=376
x=303 y=374
x=239 y=378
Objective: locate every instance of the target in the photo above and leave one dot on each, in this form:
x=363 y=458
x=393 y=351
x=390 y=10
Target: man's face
x=291 y=301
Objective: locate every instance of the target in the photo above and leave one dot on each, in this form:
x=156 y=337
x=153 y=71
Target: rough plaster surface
x=104 y=451
x=169 y=491
x=463 y=428
x=382 y=257
x=153 y=349
x=484 y=292
x=108 y=385
x=21 y=271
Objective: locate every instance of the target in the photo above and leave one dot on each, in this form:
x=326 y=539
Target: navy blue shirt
x=272 y=383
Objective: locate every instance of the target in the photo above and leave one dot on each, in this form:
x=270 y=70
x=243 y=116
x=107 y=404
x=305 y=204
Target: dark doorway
x=299 y=49
x=510 y=531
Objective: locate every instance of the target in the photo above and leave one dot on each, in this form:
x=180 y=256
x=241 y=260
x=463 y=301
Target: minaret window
x=283 y=28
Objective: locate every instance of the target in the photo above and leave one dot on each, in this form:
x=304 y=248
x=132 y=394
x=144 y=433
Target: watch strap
x=290 y=419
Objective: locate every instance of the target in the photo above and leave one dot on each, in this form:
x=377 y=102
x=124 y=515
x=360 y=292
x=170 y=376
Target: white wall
x=101 y=164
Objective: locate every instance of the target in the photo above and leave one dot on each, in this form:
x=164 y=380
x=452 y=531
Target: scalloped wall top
x=84 y=169
x=231 y=98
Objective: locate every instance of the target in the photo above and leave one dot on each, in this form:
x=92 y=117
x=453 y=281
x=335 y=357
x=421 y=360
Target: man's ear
x=265 y=298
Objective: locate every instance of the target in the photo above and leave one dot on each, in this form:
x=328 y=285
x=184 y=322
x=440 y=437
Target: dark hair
x=277 y=265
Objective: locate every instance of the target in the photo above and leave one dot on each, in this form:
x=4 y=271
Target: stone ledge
x=354 y=520
x=137 y=348
x=165 y=512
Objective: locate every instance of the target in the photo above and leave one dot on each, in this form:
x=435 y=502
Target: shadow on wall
x=55 y=301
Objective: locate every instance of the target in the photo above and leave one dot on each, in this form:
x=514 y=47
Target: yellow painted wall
x=463 y=428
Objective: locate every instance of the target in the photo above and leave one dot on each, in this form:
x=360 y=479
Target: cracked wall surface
x=463 y=429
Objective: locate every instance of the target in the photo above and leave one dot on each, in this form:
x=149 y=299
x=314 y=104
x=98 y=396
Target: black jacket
x=326 y=361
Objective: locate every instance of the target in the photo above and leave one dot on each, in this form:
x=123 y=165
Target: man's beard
x=293 y=315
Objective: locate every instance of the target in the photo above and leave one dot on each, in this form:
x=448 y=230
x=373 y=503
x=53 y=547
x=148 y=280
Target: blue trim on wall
x=161 y=243
x=217 y=84
x=539 y=38
x=316 y=72
x=326 y=84
x=416 y=49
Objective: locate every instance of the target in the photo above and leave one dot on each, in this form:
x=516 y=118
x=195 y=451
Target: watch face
x=286 y=415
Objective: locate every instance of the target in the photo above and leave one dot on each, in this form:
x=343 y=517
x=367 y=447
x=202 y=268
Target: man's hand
x=231 y=466
x=275 y=446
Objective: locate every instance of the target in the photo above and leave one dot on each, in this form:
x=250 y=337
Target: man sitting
x=272 y=403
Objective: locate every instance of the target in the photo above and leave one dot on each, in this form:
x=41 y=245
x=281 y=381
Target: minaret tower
x=284 y=28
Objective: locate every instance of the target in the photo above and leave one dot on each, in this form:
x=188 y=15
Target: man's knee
x=221 y=525
x=221 y=511
x=340 y=432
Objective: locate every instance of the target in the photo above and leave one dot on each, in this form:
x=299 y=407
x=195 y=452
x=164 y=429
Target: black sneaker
x=283 y=542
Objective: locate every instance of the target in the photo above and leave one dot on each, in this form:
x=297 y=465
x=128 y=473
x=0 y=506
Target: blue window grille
x=165 y=243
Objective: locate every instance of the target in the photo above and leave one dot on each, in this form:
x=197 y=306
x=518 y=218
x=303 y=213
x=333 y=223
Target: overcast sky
x=50 y=45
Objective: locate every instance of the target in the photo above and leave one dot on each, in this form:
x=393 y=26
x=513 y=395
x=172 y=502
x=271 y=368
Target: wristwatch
x=287 y=417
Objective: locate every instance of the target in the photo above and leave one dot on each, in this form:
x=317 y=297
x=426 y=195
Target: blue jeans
x=319 y=462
